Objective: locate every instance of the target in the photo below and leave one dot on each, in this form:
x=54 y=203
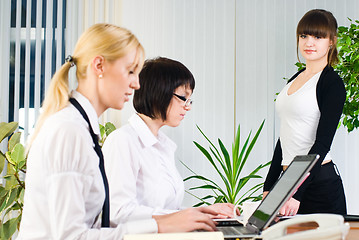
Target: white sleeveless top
x=299 y=116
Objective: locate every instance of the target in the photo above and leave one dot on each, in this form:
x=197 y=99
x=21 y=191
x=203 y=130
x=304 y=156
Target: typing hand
x=223 y=210
x=186 y=220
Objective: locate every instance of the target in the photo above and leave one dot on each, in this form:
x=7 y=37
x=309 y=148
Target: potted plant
x=12 y=194
x=229 y=169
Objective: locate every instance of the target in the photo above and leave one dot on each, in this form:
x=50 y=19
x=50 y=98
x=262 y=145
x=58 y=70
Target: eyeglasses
x=187 y=101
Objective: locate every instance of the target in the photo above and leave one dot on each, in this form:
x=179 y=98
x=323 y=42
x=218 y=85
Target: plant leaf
x=235 y=150
x=227 y=160
x=9 y=199
x=220 y=199
x=2 y=161
x=102 y=130
x=15 y=139
x=220 y=162
x=240 y=160
x=207 y=186
x=200 y=204
x=18 y=153
x=6 y=129
x=110 y=127
x=9 y=227
x=209 y=141
x=3 y=192
x=10 y=177
x=209 y=157
x=201 y=178
x=251 y=145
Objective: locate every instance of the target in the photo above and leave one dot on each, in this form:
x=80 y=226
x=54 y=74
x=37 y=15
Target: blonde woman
x=67 y=192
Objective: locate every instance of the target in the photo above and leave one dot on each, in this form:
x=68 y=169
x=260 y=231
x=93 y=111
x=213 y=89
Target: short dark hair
x=320 y=23
x=159 y=78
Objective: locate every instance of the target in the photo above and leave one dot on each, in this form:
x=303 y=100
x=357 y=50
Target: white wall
x=239 y=51
x=200 y=34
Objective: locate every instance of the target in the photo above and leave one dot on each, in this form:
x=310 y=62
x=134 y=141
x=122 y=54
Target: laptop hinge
x=252 y=228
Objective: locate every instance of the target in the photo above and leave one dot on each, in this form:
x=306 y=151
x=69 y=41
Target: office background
x=238 y=50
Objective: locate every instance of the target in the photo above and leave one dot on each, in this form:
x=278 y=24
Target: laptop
x=267 y=211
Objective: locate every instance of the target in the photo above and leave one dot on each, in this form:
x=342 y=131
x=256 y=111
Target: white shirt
x=141 y=172
x=299 y=117
x=64 y=187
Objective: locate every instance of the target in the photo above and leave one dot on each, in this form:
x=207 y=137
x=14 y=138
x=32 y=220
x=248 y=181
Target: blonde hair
x=109 y=41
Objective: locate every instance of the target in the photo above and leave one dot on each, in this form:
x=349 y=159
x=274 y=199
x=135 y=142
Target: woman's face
x=118 y=81
x=314 y=49
x=176 y=109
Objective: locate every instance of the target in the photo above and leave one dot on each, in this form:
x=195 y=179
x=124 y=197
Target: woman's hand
x=290 y=208
x=223 y=210
x=186 y=220
x=265 y=193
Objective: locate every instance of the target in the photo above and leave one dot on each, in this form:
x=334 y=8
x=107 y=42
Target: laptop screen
x=282 y=190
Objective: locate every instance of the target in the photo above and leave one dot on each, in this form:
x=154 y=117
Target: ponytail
x=108 y=40
x=57 y=97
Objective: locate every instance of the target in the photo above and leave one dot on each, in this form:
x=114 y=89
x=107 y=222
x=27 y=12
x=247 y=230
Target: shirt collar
x=89 y=109
x=146 y=136
x=142 y=130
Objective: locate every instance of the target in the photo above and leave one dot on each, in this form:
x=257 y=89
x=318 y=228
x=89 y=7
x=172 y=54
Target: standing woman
x=140 y=158
x=66 y=186
x=309 y=108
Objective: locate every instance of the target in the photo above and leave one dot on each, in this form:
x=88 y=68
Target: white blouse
x=64 y=187
x=141 y=172
x=299 y=117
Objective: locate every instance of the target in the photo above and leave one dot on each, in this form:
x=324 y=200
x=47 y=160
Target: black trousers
x=325 y=193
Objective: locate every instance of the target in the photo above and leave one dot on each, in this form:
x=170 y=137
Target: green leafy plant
x=229 y=169
x=105 y=130
x=348 y=69
x=12 y=194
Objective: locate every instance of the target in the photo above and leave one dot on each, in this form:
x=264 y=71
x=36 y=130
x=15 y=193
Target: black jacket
x=331 y=96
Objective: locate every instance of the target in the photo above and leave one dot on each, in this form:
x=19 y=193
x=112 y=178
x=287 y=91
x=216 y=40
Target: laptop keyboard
x=234 y=230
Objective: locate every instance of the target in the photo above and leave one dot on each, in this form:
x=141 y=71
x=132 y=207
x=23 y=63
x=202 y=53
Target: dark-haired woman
x=309 y=107
x=140 y=158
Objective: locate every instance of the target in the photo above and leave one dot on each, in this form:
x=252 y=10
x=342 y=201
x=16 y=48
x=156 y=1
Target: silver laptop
x=267 y=211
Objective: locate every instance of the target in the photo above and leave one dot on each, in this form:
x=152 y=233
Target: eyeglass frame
x=187 y=101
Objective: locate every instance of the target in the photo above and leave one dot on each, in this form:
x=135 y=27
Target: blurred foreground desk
x=352 y=235
x=177 y=236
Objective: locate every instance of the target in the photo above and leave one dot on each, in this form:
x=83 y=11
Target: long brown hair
x=320 y=23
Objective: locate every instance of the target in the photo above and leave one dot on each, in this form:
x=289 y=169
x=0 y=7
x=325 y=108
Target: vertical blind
x=33 y=29
x=35 y=36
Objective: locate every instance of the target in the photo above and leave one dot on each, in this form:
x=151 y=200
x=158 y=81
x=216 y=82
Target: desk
x=352 y=235
x=354 y=231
